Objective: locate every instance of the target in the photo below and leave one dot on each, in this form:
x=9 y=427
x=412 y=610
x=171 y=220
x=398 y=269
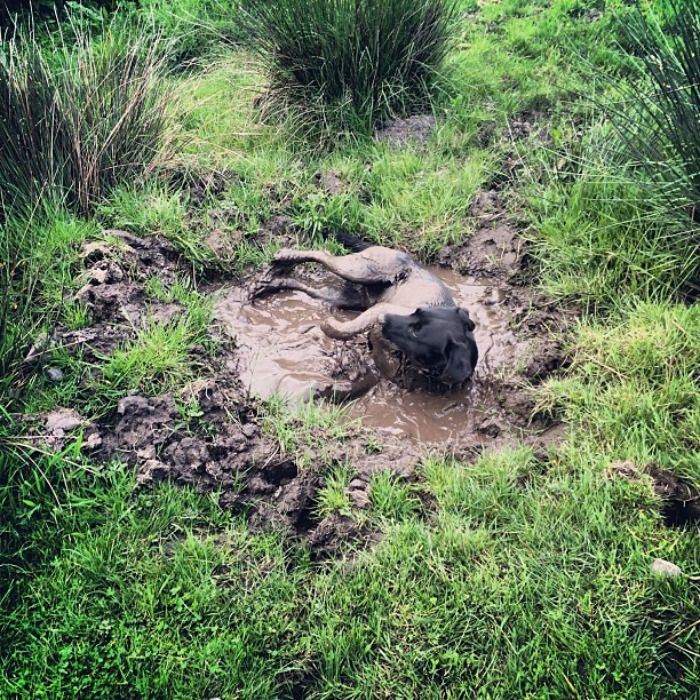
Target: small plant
x=79 y=117
x=392 y=499
x=333 y=497
x=76 y=315
x=355 y=62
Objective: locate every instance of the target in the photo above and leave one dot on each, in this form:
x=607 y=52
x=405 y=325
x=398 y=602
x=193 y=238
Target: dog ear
x=464 y=315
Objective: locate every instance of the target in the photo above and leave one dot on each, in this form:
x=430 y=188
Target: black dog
x=414 y=309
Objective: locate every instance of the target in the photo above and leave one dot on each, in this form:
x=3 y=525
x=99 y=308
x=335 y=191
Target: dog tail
x=352 y=243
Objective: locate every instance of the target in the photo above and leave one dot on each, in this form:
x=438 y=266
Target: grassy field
x=523 y=574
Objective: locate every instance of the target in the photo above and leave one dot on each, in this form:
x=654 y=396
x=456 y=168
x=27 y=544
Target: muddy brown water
x=282 y=350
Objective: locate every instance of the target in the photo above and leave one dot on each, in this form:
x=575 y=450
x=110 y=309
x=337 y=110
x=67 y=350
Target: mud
x=281 y=349
x=276 y=346
x=680 y=499
x=400 y=132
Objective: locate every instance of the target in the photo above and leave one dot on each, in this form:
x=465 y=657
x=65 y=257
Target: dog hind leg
x=359 y=268
x=349 y=299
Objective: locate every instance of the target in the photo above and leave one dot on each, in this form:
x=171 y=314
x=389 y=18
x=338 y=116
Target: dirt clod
x=665 y=569
x=62 y=421
x=680 y=499
x=399 y=132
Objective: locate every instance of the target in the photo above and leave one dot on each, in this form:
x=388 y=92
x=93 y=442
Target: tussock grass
x=351 y=63
x=656 y=115
x=80 y=116
x=659 y=115
x=601 y=228
x=333 y=496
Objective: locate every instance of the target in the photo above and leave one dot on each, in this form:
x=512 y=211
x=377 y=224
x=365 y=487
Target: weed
x=333 y=497
x=390 y=498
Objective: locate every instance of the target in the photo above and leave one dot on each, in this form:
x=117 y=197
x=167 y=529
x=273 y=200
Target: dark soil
x=680 y=500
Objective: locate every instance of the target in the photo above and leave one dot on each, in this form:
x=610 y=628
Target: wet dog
x=413 y=308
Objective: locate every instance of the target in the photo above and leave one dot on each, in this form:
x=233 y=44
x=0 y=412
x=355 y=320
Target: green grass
x=520 y=575
x=633 y=391
x=39 y=259
x=156 y=361
x=392 y=499
x=333 y=497
x=80 y=115
x=350 y=64
x=607 y=231
x=307 y=430
x=548 y=581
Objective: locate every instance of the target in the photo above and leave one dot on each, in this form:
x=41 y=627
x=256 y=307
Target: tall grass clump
x=658 y=116
x=78 y=116
x=350 y=63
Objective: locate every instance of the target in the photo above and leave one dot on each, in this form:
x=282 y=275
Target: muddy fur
x=413 y=308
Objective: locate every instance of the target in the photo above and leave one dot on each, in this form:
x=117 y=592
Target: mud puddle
x=282 y=349
x=226 y=446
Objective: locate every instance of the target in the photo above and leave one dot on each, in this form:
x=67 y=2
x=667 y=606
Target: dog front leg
x=344 y=330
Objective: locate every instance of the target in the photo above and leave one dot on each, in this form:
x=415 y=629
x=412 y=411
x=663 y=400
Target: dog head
x=438 y=339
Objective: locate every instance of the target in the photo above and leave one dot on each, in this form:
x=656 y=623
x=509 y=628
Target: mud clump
x=112 y=291
x=680 y=499
x=62 y=424
x=232 y=455
x=401 y=132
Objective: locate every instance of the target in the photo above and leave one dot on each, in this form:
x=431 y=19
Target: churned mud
x=282 y=350
x=275 y=346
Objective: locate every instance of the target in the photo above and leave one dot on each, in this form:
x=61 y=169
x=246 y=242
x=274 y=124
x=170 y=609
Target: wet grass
x=522 y=575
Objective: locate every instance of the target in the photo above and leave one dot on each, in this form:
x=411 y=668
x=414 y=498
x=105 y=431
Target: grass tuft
x=79 y=117
x=351 y=62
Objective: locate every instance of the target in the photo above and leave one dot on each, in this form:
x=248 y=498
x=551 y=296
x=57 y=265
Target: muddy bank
x=212 y=433
x=281 y=348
